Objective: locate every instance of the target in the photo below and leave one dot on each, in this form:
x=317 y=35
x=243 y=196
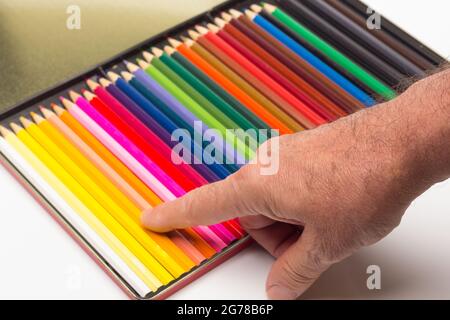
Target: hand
x=338 y=188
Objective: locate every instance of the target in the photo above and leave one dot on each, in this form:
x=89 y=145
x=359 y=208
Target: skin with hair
x=339 y=187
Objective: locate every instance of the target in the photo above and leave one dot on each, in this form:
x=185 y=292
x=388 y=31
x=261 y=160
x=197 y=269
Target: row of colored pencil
x=106 y=154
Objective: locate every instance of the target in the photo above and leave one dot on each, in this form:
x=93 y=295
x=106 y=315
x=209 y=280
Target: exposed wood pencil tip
x=143 y=64
x=74 y=96
x=250 y=14
x=235 y=13
x=226 y=16
x=36 y=118
x=157 y=52
x=46 y=112
x=193 y=34
x=174 y=42
x=131 y=66
x=201 y=29
x=269 y=7
x=4 y=132
x=147 y=56
x=25 y=122
x=92 y=84
x=58 y=109
x=256 y=8
x=15 y=127
x=126 y=75
x=219 y=22
x=169 y=50
x=88 y=95
x=104 y=82
x=113 y=76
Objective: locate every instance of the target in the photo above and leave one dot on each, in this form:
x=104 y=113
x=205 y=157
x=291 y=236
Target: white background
x=39 y=260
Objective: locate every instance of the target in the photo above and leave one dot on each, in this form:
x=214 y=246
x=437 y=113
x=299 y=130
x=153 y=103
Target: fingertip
x=150 y=220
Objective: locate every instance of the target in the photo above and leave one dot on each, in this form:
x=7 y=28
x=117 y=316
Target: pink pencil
x=115 y=147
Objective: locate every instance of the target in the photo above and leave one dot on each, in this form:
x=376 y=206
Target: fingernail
x=277 y=292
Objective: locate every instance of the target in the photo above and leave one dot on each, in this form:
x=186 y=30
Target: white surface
x=39 y=260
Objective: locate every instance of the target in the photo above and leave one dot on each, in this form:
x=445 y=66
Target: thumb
x=210 y=204
x=296 y=270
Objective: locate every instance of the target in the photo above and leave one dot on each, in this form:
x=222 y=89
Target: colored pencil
x=78 y=214
x=103 y=214
x=301 y=51
x=361 y=74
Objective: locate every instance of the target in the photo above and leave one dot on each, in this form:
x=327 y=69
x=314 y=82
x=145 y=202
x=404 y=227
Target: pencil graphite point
x=220 y=22
x=174 y=42
x=169 y=50
x=88 y=95
x=227 y=17
x=113 y=76
x=256 y=8
x=74 y=96
x=147 y=56
x=15 y=127
x=268 y=7
x=127 y=76
x=201 y=29
x=194 y=35
x=131 y=66
x=92 y=84
x=235 y=13
x=104 y=82
x=157 y=52
x=143 y=64
x=250 y=14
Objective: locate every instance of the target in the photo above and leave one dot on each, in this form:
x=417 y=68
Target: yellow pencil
x=112 y=210
x=108 y=187
x=83 y=211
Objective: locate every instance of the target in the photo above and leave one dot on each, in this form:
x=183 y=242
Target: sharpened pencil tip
x=143 y=64
x=15 y=127
x=147 y=56
x=66 y=102
x=227 y=17
x=92 y=84
x=219 y=22
x=194 y=35
x=256 y=8
x=25 y=122
x=104 y=82
x=4 y=132
x=157 y=52
x=113 y=76
x=74 y=96
x=132 y=67
x=235 y=13
x=174 y=42
x=46 y=112
x=269 y=7
x=88 y=95
x=36 y=118
x=250 y=14
x=126 y=75
x=201 y=29
x=58 y=109
x=169 y=50
x=188 y=42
